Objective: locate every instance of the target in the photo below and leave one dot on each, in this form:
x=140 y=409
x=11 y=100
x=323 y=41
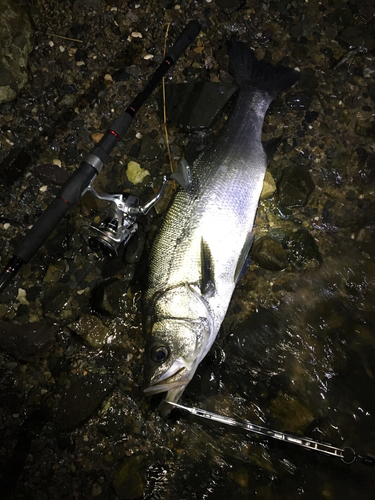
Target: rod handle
x=69 y=195
x=184 y=40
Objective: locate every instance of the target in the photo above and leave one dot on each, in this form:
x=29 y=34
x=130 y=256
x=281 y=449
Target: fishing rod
x=347 y=454
x=119 y=224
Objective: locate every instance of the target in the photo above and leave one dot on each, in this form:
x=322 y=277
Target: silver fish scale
x=220 y=209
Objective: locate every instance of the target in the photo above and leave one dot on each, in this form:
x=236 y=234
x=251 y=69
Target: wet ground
x=297 y=349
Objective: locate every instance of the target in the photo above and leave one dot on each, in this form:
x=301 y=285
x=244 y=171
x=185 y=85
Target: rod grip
x=42 y=228
x=184 y=40
x=69 y=195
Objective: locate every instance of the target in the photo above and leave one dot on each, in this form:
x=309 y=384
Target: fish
x=202 y=248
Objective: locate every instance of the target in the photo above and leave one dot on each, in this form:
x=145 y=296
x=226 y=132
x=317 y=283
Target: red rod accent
x=63 y=199
x=114 y=133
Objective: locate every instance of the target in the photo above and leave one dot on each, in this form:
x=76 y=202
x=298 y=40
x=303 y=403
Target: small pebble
x=21 y=297
x=50 y=43
x=57 y=162
x=43 y=189
x=108 y=77
x=148 y=57
x=137 y=34
x=96 y=490
x=96 y=136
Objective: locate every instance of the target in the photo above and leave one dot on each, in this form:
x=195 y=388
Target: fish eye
x=159 y=353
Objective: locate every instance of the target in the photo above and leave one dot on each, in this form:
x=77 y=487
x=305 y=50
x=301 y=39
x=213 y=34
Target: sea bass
x=202 y=247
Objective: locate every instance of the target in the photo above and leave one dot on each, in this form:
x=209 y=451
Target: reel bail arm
x=120 y=221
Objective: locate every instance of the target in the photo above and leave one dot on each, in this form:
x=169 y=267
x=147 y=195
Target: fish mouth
x=170 y=386
x=168 y=383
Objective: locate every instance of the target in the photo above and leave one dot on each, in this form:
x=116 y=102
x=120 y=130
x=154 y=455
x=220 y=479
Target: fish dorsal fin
x=244 y=259
x=270 y=147
x=182 y=175
x=207 y=270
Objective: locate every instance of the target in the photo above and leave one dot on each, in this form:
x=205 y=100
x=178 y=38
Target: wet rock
x=134 y=248
x=339 y=167
x=295 y=187
x=81 y=400
x=357 y=36
x=311 y=116
x=230 y=5
x=10 y=402
x=13 y=166
x=263 y=326
x=278 y=235
x=26 y=198
x=80 y=55
x=55 y=298
x=193 y=106
x=296 y=30
x=54 y=272
x=364 y=128
x=89 y=3
x=51 y=175
x=371 y=91
x=129 y=482
x=302 y=250
x=26 y=342
x=308 y=81
x=70 y=153
x=367 y=171
x=269 y=254
x=112 y=425
x=298 y=100
x=367 y=10
x=269 y=186
x=149 y=149
x=15 y=46
x=294 y=416
x=110 y=297
x=91 y=329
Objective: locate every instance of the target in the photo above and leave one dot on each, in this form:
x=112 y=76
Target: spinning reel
x=120 y=221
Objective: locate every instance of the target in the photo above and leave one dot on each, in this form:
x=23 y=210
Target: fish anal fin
x=270 y=148
x=182 y=175
x=244 y=259
x=207 y=270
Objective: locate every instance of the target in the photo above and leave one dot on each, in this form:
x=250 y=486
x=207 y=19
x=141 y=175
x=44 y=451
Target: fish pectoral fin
x=244 y=259
x=207 y=270
x=270 y=148
x=182 y=175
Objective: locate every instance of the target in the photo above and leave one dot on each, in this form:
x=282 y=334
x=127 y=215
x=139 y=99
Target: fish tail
x=249 y=72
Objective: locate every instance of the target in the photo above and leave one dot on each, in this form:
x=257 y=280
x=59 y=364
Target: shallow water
x=296 y=350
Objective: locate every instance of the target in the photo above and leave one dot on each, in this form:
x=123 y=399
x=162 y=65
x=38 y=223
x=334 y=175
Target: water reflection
x=305 y=366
